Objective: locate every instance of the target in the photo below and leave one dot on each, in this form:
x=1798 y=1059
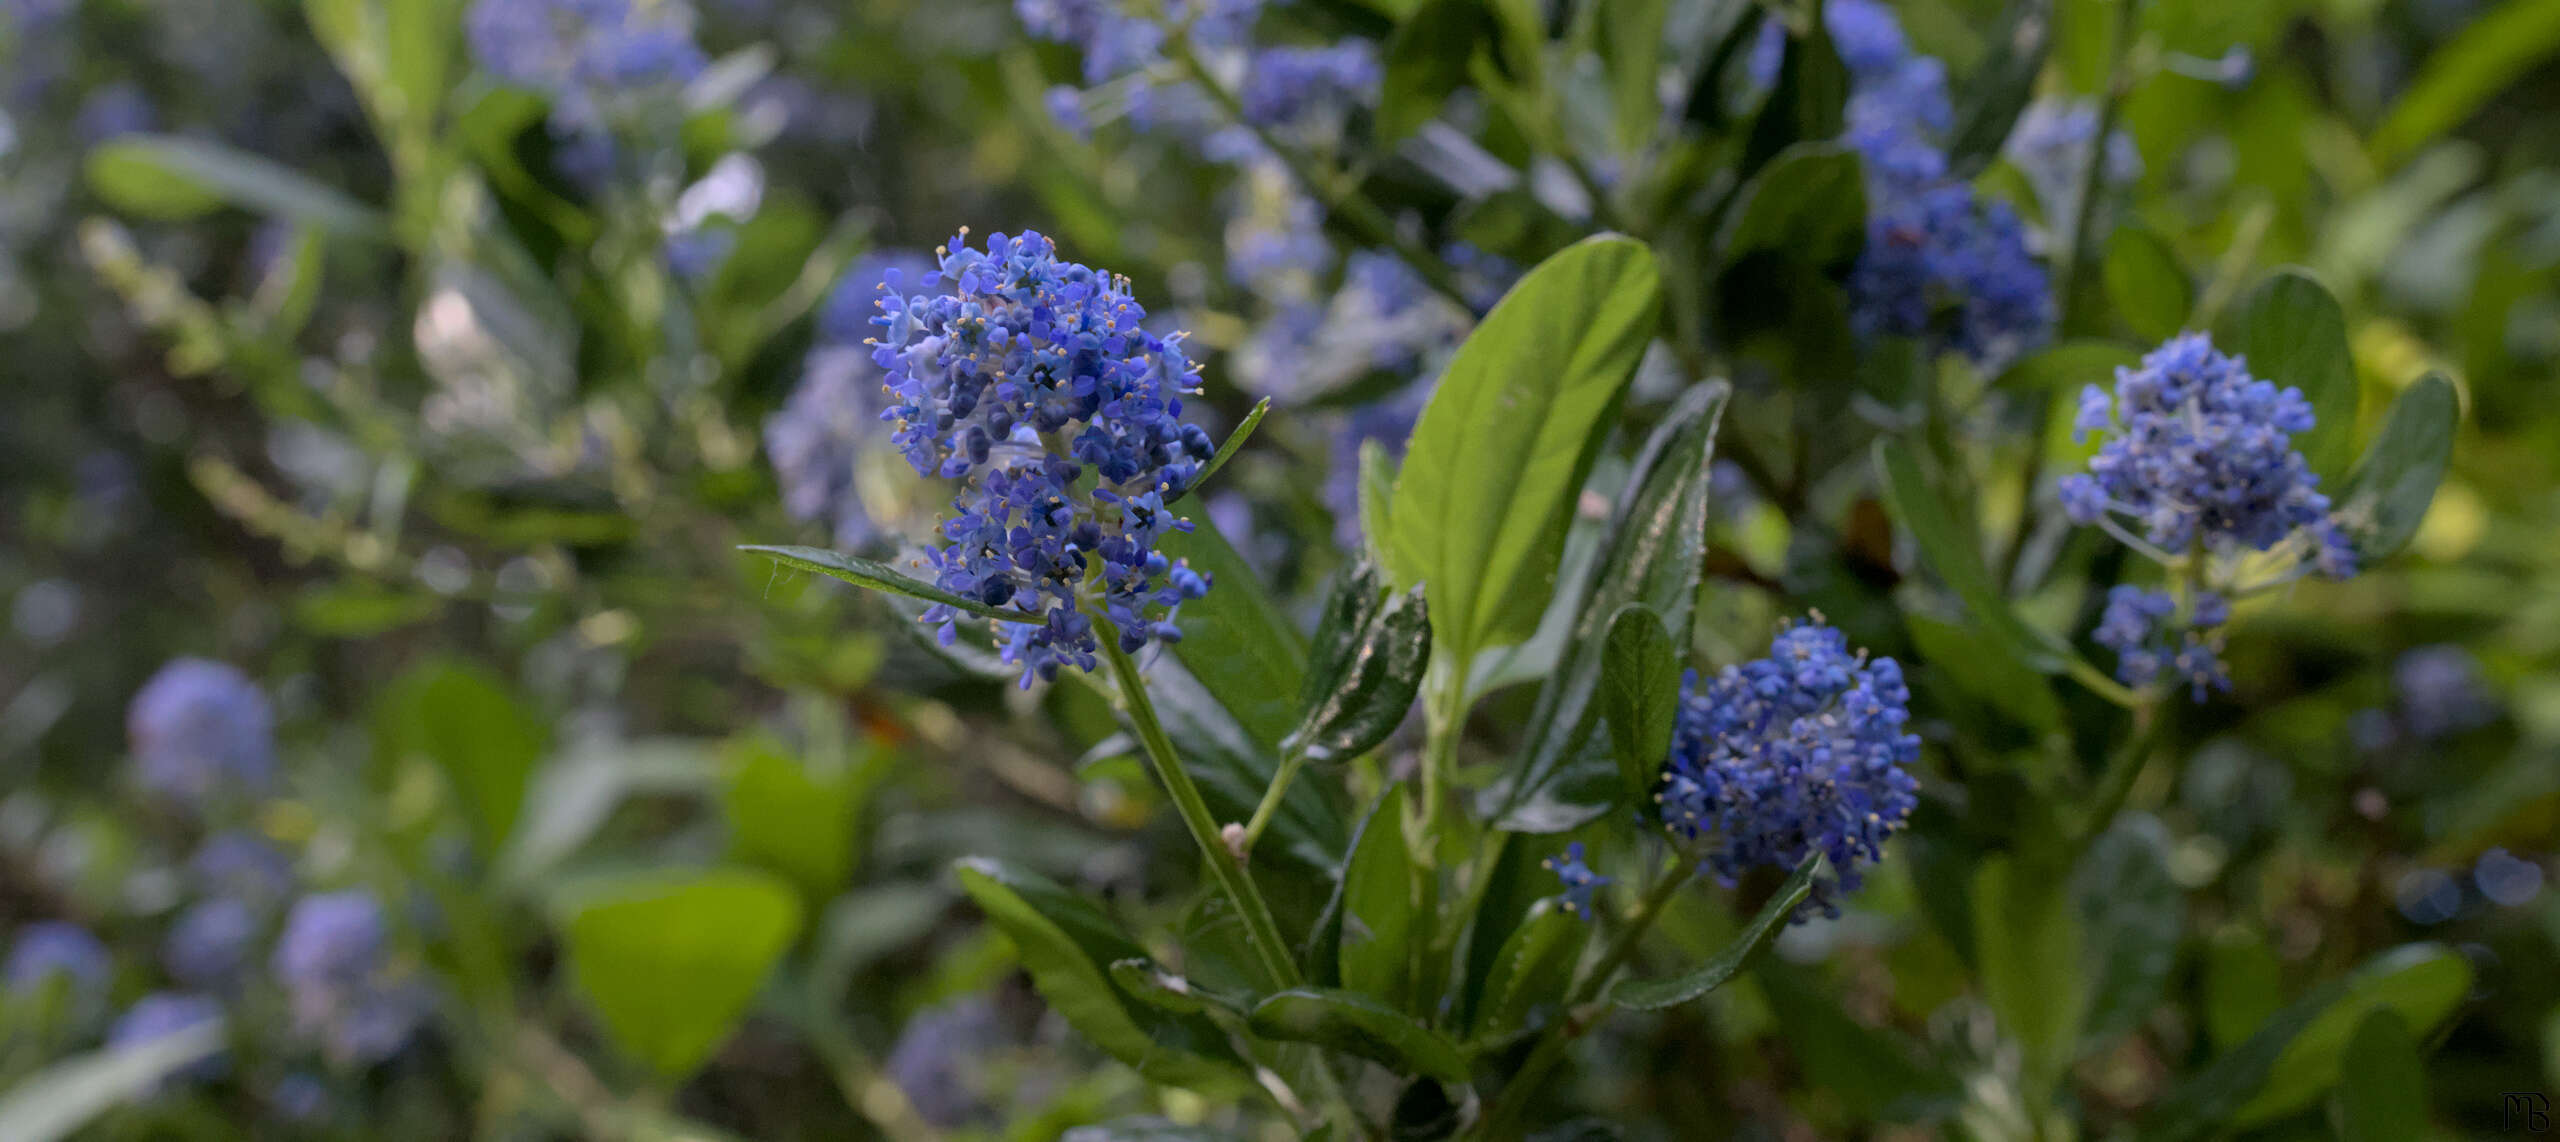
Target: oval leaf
x=1773 y=918
x=1377 y=906
x=2293 y=333
x=1356 y=1024
x=1491 y=474
x=671 y=961
x=2382 y=1089
x=2387 y=495
x=173 y=178
x=57 y=1101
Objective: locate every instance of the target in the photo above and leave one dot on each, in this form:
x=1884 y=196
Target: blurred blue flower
x=2050 y=146
x=2506 y=879
x=165 y=1013
x=209 y=943
x=300 y=1097
x=48 y=949
x=2440 y=692
x=1032 y=381
x=1801 y=752
x=1288 y=83
x=1865 y=33
x=1578 y=880
x=201 y=728
x=2149 y=637
x=940 y=1061
x=240 y=865
x=592 y=58
x=2427 y=896
x=112 y=111
x=2199 y=454
x=331 y=960
x=817 y=438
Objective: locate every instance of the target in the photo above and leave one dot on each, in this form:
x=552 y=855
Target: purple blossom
x=201 y=728
x=165 y=1013
x=1578 y=880
x=2506 y=879
x=2151 y=638
x=817 y=439
x=1286 y=84
x=209 y=943
x=2440 y=692
x=332 y=962
x=48 y=949
x=1798 y=753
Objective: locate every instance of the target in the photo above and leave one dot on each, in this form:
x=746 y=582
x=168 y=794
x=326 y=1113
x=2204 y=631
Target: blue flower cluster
x=333 y=964
x=1127 y=67
x=591 y=57
x=2440 y=693
x=1287 y=84
x=57 y=949
x=202 y=729
x=2050 y=146
x=816 y=441
x=1801 y=752
x=1940 y=261
x=164 y=1013
x=2199 y=454
x=2151 y=637
x=1579 y=881
x=1032 y=381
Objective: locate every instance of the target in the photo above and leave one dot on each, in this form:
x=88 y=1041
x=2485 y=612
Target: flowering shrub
x=1444 y=569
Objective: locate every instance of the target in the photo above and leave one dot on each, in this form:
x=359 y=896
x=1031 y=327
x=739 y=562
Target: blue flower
x=243 y=866
x=2150 y=638
x=113 y=111
x=1865 y=33
x=940 y=1061
x=1285 y=84
x=1801 y=752
x=2441 y=693
x=2050 y=146
x=2507 y=879
x=1579 y=881
x=50 y=949
x=2199 y=456
x=300 y=1097
x=164 y=1013
x=817 y=438
x=1033 y=382
x=208 y=945
x=332 y=962
x=199 y=728
x=593 y=58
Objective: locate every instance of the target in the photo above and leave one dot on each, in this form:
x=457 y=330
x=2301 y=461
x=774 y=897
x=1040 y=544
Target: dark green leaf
x=1874 y=1072
x=1630 y=42
x=1639 y=695
x=1236 y=640
x=1149 y=983
x=1998 y=85
x=1357 y=595
x=54 y=1103
x=2293 y=333
x=2382 y=1087
x=1808 y=100
x=1376 y=687
x=2387 y=495
x=1427 y=59
x=1500 y=453
x=1653 y=555
x=1773 y=918
x=173 y=178
x=2148 y=286
x=879 y=577
x=2487 y=54
x=1955 y=553
x=1809 y=203
x=670 y=961
x=2004 y=682
x=1226 y=451
x=466 y=723
x=2027 y=945
x=1378 y=907
x=1064 y=941
x=1356 y=1024
x=1525 y=985
x=2133 y=918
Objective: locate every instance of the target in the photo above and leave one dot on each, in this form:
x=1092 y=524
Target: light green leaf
x=1630 y=42
x=2027 y=941
x=1377 y=492
x=56 y=1102
x=473 y=730
x=2293 y=333
x=1500 y=453
x=1639 y=695
x=1356 y=1024
x=671 y=961
x=790 y=821
x=172 y=178
x=2148 y=286
x=879 y=576
x=2490 y=52
x=2064 y=368
x=2386 y=497
x=2382 y=1088
x=1377 y=906
x=1755 y=937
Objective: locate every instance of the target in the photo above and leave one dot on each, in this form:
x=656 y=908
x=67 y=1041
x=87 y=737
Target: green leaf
x=1226 y=451
x=2382 y=1088
x=790 y=821
x=1149 y=983
x=1500 y=453
x=670 y=961
x=1427 y=59
x=1639 y=695
x=1807 y=102
x=2027 y=944
x=2133 y=917
x=1374 y=687
x=1954 y=553
x=1653 y=555
x=169 y=178
x=1524 y=987
x=878 y=576
x=2243 y=986
x=474 y=731
x=2296 y=1053
x=2387 y=495
x=1356 y=1024
x=1630 y=45
x=1377 y=494
x=1875 y=1072
x=2148 y=286
x=54 y=1103
x=2489 y=53
x=1064 y=942
x=1236 y=640
x=1810 y=203
x=1357 y=595
x=1998 y=85
x=2064 y=368
x=1378 y=908
x=2000 y=680
x=1755 y=937
x=2293 y=333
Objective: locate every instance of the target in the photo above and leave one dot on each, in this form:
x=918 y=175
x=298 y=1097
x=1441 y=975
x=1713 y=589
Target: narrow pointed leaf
x=1377 y=685
x=1356 y=1024
x=1954 y=552
x=1527 y=981
x=1639 y=694
x=55 y=1102
x=1773 y=918
x=1378 y=907
x=1226 y=451
x=879 y=576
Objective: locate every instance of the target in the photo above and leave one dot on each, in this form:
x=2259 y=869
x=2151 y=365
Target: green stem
x=1260 y=930
x=1347 y=204
x=2115 y=783
x=2101 y=685
x=1499 y=1119
x=1290 y=763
